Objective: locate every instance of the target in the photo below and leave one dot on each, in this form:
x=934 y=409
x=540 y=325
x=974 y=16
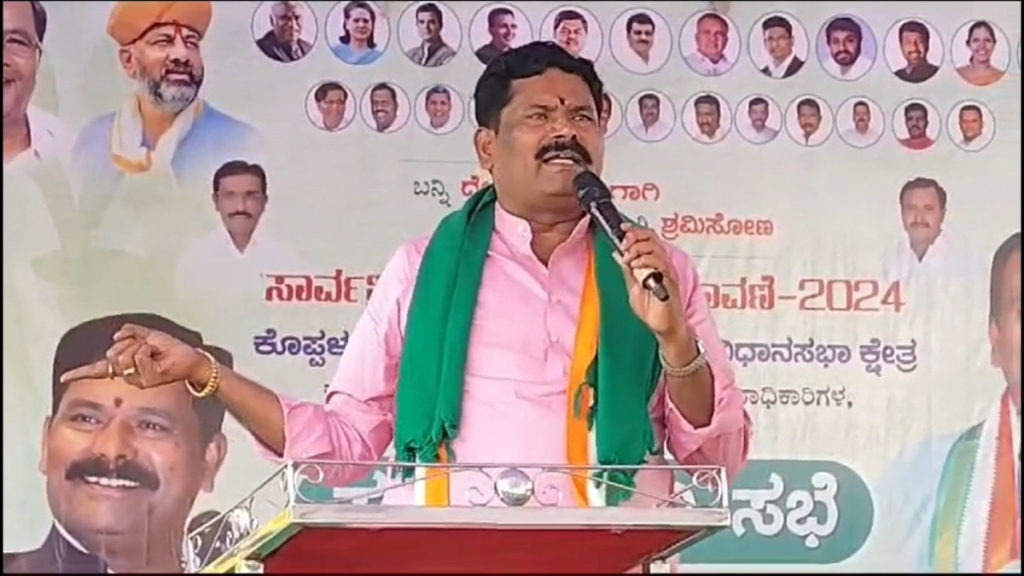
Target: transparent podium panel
x=367 y=517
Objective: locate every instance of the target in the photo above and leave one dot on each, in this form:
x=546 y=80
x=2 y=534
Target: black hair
x=88 y=342
x=239 y=168
x=493 y=89
x=1008 y=248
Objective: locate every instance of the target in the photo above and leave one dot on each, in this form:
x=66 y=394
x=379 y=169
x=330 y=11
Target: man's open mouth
x=563 y=158
x=106 y=482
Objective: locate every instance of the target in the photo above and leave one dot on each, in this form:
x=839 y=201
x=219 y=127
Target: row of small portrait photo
x=640 y=40
x=706 y=117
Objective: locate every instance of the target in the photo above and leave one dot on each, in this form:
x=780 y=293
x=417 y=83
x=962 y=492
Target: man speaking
x=514 y=333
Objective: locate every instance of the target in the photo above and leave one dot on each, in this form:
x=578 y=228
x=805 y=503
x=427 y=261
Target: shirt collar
x=230 y=244
x=516 y=231
x=783 y=66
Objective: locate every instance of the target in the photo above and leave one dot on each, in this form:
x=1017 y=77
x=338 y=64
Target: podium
x=514 y=519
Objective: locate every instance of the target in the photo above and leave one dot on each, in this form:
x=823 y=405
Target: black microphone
x=596 y=199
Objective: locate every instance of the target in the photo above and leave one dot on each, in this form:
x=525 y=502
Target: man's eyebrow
x=571 y=107
x=83 y=404
x=158 y=413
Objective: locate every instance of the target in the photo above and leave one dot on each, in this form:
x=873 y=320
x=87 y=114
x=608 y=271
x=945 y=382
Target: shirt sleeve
x=356 y=421
x=725 y=441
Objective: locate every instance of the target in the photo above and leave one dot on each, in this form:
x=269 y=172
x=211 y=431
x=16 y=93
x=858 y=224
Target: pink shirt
x=521 y=342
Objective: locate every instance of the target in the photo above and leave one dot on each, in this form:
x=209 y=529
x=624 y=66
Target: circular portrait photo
x=650 y=116
x=497 y=28
x=284 y=31
x=758 y=119
x=439 y=109
x=916 y=124
x=778 y=45
x=709 y=43
x=330 y=106
x=385 y=107
x=429 y=33
x=611 y=115
x=640 y=40
x=971 y=126
x=981 y=53
x=914 y=50
x=357 y=32
x=846 y=47
x=809 y=121
x=706 y=117
x=575 y=29
x=860 y=122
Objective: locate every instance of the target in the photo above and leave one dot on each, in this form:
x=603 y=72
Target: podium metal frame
x=239 y=539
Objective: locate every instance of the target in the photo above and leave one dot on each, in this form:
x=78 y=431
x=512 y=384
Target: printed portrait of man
x=502 y=28
x=233 y=259
x=164 y=124
x=433 y=50
x=844 y=38
x=707 y=124
x=916 y=121
x=710 y=42
x=648 y=124
x=915 y=43
x=952 y=502
x=284 y=42
x=570 y=31
x=760 y=119
x=971 y=134
x=385 y=108
x=926 y=252
x=31 y=135
x=863 y=129
x=777 y=36
x=122 y=465
x=809 y=125
x=332 y=104
x=641 y=52
x=439 y=114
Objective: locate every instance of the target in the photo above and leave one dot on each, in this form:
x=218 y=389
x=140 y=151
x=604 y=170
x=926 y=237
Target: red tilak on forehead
x=178 y=30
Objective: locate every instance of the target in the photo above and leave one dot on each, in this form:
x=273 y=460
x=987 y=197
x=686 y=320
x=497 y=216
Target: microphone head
x=590 y=189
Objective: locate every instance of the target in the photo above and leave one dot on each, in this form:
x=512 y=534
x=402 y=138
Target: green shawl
x=428 y=402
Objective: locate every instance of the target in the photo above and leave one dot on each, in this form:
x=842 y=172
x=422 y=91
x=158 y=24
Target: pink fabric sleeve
x=356 y=421
x=725 y=441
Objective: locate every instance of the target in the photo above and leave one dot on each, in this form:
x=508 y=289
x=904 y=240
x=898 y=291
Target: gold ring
x=110 y=370
x=129 y=371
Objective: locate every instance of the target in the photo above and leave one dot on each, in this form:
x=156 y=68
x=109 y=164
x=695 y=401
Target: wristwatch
x=690 y=369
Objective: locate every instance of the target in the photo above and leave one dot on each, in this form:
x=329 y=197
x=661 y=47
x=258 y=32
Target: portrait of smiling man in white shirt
x=927 y=252
x=31 y=135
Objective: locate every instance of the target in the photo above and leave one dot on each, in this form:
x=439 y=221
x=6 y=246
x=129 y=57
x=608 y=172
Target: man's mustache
x=182 y=68
x=240 y=213
x=120 y=469
x=843 y=54
x=919 y=225
x=572 y=146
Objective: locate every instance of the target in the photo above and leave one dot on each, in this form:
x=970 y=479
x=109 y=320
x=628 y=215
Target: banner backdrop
x=843 y=180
